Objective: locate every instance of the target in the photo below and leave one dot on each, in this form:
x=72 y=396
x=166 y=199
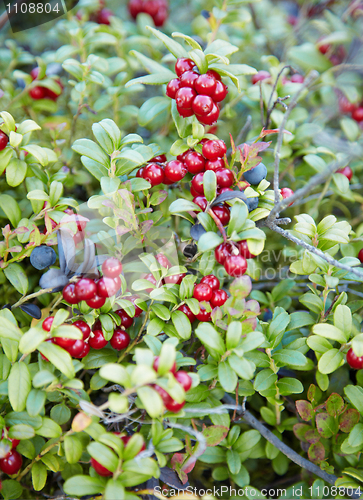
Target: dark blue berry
x=190 y=250
x=252 y=203
x=31 y=309
x=54 y=278
x=267 y=315
x=42 y=257
x=197 y=231
x=256 y=175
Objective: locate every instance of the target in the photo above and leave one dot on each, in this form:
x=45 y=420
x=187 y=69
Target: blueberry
x=42 y=257
x=190 y=250
x=31 y=309
x=54 y=278
x=205 y=14
x=252 y=203
x=256 y=175
x=197 y=231
x=267 y=315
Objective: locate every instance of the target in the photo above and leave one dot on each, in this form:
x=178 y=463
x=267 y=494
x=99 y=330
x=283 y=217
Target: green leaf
x=227 y=376
x=59 y=357
x=330 y=361
x=264 y=380
x=174 y=47
x=239 y=214
x=91 y=150
x=210 y=338
x=84 y=485
x=60 y=414
x=182 y=205
x=233 y=461
x=154 y=79
x=49 y=429
x=114 y=489
x=182 y=324
x=210 y=185
x=289 y=386
x=326 y=425
x=355 y=396
x=115 y=373
x=214 y=434
x=32 y=339
x=234 y=334
x=11 y=489
x=330 y=332
x=21 y=431
x=208 y=241
x=343 y=319
x=39 y=476
x=151 y=401
x=242 y=366
x=9 y=330
x=17 y=277
x=35 y=402
x=73 y=448
x=16 y=172
x=289 y=357
x=19 y=385
x=152 y=109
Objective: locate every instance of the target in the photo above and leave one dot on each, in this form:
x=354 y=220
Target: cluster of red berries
x=175 y=279
x=353 y=109
x=208 y=292
x=95 y=291
x=12 y=462
x=76 y=348
x=100 y=469
x=264 y=75
x=157 y=9
x=4 y=139
x=37 y=93
x=233 y=257
x=184 y=380
x=196 y=94
x=336 y=55
x=159 y=171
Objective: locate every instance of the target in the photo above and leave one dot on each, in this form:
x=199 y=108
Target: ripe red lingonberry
x=157 y=362
x=223 y=214
x=222 y=251
x=138 y=310
x=173 y=406
x=47 y=323
x=188 y=313
x=215 y=165
x=185 y=97
x=205 y=85
x=153 y=173
x=214 y=74
x=126 y=320
x=194 y=162
x=12 y=463
x=211 y=281
x=85 y=289
x=76 y=349
x=163 y=260
x=324 y=48
x=175 y=279
x=219 y=297
x=104 y=16
x=212 y=150
x=244 y=251
x=188 y=78
x=346 y=106
x=184 y=380
x=235 y=265
x=201 y=201
x=225 y=177
x=357 y=114
x=150 y=277
x=120 y=339
x=97 y=341
x=347 y=171
x=112 y=267
x=100 y=469
x=220 y=92
x=172 y=88
x=159 y=158
x=202 y=105
x=140 y=172
x=211 y=117
x=203 y=315
x=107 y=287
x=354 y=361
x=175 y=170
x=259 y=76
x=4 y=139
x=85 y=329
x=183 y=64
x=185 y=113
x=69 y=294
x=202 y=292
x=197 y=183
x=360 y=255
x=96 y=302
x=37 y=93
x=86 y=350
x=166 y=399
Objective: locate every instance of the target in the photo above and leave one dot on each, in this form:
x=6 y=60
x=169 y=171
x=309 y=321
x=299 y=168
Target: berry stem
x=218 y=223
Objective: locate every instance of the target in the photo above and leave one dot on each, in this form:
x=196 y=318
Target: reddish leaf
x=326 y=425
x=305 y=409
x=312 y=436
x=272 y=131
x=334 y=404
x=348 y=419
x=316 y=452
x=215 y=434
x=300 y=431
x=314 y=394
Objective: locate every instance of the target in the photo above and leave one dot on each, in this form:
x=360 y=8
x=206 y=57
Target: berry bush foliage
x=182 y=235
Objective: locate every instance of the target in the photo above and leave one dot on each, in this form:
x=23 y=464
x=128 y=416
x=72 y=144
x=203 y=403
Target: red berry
x=69 y=294
x=201 y=201
x=161 y=16
x=211 y=281
x=347 y=171
x=219 y=297
x=345 y=106
x=223 y=214
x=184 y=98
x=98 y=340
x=235 y=265
x=223 y=147
x=203 y=315
x=220 y=92
x=225 y=177
x=194 y=162
x=175 y=170
x=156 y=365
x=211 y=118
x=126 y=320
x=205 y=85
x=244 y=251
x=172 y=88
x=112 y=267
x=77 y=348
x=214 y=74
x=357 y=114
x=222 y=251
x=159 y=159
x=64 y=342
x=14 y=442
x=126 y=439
x=197 y=183
x=54 y=95
x=261 y=75
x=47 y=323
x=86 y=350
x=4 y=139
x=176 y=279
x=120 y=339
x=360 y=255
x=96 y=302
x=150 y=277
x=184 y=380
x=107 y=287
x=186 y=310
x=173 y=406
x=183 y=155
x=103 y=16
x=135 y=7
x=11 y=463
x=163 y=394
x=202 y=105
x=212 y=150
x=138 y=309
x=154 y=174
x=185 y=113
x=193 y=192
x=85 y=289
x=35 y=73
x=100 y=469
x=85 y=329
x=202 y=292
x=215 y=165
x=163 y=260
x=297 y=78
x=183 y=64
x=140 y=172
x=324 y=48
x=188 y=78
x=354 y=361
x=37 y=93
